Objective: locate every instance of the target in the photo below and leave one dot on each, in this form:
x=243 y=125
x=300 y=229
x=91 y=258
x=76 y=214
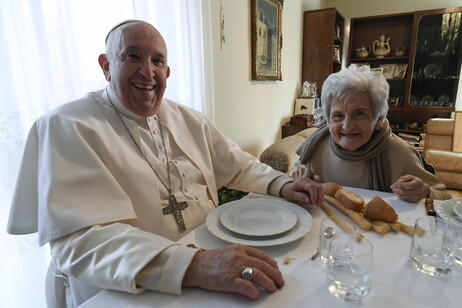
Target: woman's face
x=351 y=124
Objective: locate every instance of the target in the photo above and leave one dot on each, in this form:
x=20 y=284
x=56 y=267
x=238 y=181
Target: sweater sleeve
x=120 y=257
x=406 y=160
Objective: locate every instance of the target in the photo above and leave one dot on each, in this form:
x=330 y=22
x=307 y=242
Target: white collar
x=111 y=96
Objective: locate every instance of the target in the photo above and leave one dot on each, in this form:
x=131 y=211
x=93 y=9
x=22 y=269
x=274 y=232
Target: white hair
x=354 y=79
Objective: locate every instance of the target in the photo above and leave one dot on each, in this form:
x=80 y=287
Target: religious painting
x=266 y=39
x=457 y=137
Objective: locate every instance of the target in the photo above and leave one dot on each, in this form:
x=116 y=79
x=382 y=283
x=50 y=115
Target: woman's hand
x=410 y=188
x=221 y=269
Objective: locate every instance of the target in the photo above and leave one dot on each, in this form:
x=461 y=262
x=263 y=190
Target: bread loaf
x=378 y=209
x=331 y=188
x=350 y=199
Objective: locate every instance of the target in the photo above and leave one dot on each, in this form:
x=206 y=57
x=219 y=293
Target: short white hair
x=356 y=79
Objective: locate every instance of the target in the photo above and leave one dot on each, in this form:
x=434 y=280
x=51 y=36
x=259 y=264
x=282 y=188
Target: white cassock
x=84 y=186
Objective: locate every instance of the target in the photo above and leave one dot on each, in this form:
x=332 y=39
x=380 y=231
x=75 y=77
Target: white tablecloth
x=395 y=283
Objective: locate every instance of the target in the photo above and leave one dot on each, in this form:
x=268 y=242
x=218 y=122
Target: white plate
x=457 y=207
x=304 y=222
x=258 y=217
x=446 y=208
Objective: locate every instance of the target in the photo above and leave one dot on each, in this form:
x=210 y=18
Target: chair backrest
x=438 y=135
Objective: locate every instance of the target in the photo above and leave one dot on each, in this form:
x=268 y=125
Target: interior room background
x=249 y=112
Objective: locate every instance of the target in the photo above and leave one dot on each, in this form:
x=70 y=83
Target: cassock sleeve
x=120 y=257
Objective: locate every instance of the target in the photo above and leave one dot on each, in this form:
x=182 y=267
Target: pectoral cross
x=174 y=207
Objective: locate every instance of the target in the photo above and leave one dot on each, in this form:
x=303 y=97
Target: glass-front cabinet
x=437 y=61
x=421 y=61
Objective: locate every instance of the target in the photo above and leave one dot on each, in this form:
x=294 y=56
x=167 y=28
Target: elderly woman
x=357 y=147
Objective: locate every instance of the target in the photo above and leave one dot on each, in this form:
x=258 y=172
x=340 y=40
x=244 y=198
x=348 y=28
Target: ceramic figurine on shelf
x=382 y=49
x=400 y=51
x=363 y=51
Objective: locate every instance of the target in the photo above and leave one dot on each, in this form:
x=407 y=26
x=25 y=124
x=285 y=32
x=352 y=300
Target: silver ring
x=247 y=273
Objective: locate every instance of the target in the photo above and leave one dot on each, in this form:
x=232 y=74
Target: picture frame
x=392 y=101
x=266 y=20
x=457 y=137
x=388 y=70
x=377 y=70
x=368 y=65
x=400 y=71
x=336 y=55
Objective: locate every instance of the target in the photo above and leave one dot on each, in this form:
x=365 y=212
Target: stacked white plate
x=262 y=221
x=449 y=209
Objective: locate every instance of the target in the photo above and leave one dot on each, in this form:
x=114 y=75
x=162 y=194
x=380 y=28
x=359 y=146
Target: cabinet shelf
x=378 y=59
x=422 y=109
x=412 y=131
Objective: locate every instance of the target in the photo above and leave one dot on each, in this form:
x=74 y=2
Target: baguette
x=378 y=209
x=360 y=221
x=350 y=199
x=331 y=188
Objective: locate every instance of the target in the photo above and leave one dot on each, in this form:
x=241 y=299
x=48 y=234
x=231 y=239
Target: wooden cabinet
x=323 y=32
x=432 y=54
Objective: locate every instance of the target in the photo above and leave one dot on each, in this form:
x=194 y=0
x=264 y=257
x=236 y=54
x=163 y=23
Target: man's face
x=137 y=68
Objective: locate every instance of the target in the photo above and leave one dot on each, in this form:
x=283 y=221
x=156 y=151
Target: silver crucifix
x=174 y=207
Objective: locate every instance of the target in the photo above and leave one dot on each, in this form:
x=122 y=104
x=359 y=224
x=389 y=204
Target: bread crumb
x=287 y=260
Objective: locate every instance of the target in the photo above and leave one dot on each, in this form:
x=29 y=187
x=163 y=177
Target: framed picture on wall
x=266 y=30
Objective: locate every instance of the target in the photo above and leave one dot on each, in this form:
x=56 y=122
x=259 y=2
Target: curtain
x=48 y=53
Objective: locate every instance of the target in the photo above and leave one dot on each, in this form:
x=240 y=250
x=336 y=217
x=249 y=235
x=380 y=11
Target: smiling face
x=136 y=67
x=351 y=124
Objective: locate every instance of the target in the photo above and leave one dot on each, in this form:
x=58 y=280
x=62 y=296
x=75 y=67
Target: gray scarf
x=375 y=152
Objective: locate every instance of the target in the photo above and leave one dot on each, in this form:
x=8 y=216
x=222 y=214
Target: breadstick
x=339 y=221
x=406 y=228
x=396 y=227
x=380 y=227
x=362 y=222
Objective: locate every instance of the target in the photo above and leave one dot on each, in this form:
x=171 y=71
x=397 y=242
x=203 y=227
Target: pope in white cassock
x=112 y=180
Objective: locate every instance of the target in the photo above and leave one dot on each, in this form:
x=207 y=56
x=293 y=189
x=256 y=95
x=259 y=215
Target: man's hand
x=410 y=188
x=303 y=191
x=305 y=172
x=220 y=270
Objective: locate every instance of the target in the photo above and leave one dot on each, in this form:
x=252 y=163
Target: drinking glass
x=433 y=246
x=327 y=224
x=349 y=267
x=457 y=221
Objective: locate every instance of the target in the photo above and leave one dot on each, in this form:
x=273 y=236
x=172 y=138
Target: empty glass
x=349 y=267
x=328 y=229
x=433 y=246
x=457 y=221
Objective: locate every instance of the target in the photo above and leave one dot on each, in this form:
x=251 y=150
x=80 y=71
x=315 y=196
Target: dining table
x=395 y=281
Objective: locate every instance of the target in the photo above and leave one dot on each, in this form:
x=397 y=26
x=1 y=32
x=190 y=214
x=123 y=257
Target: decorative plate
x=444 y=99
x=304 y=222
x=433 y=70
x=258 y=217
x=428 y=98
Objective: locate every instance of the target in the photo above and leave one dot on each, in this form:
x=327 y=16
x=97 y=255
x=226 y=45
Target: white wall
x=251 y=113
